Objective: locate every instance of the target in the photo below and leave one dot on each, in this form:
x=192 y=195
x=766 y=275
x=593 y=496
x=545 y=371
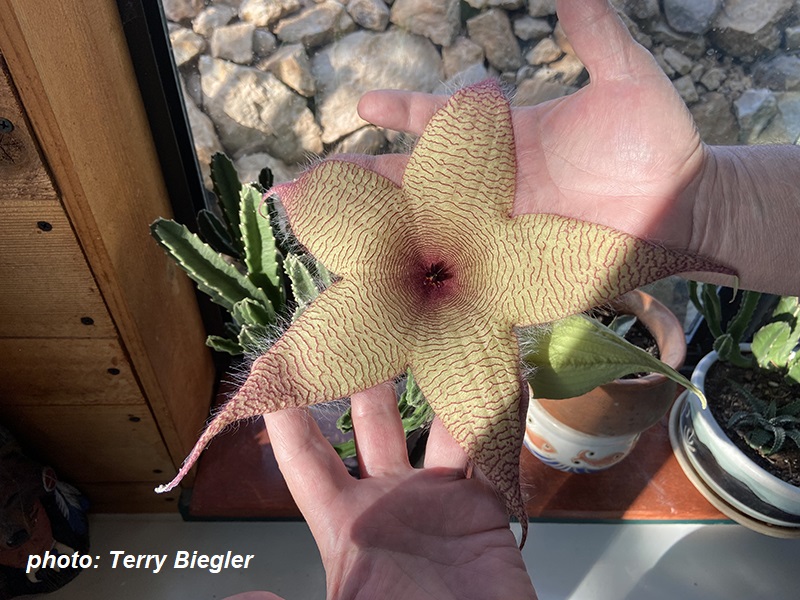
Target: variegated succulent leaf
x=435 y=275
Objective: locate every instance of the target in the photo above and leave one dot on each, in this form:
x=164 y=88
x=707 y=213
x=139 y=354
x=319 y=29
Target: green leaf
x=223 y=344
x=345 y=422
x=794 y=435
x=792 y=409
x=621 y=324
x=215 y=234
x=214 y=276
x=325 y=276
x=772 y=409
x=693 y=297
x=413 y=394
x=743 y=316
x=785 y=420
x=723 y=346
x=346 y=449
x=711 y=309
x=789 y=307
x=576 y=354
x=252 y=337
x=741 y=419
x=421 y=417
x=729 y=351
x=758 y=439
x=260 y=253
x=414 y=409
x=270 y=201
x=779 y=437
x=227 y=188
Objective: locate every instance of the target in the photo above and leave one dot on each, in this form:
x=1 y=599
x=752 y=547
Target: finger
x=390 y=166
x=380 y=439
x=313 y=471
x=400 y=111
x=443 y=451
x=601 y=40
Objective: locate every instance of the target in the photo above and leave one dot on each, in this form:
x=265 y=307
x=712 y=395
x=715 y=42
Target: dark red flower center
x=436 y=275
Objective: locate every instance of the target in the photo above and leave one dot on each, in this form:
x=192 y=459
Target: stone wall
x=276 y=82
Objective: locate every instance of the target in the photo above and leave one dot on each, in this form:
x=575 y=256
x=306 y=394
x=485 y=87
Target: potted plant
x=743 y=452
x=596 y=429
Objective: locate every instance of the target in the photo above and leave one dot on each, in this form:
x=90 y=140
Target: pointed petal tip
x=279 y=190
x=233 y=411
x=524 y=525
x=187 y=464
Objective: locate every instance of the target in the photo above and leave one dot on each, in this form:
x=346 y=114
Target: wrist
x=745 y=207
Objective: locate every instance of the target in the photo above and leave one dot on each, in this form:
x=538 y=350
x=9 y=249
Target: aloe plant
x=436 y=276
x=765 y=427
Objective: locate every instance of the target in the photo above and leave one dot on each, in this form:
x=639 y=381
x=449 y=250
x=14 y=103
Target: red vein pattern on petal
x=476 y=392
x=344 y=342
x=435 y=275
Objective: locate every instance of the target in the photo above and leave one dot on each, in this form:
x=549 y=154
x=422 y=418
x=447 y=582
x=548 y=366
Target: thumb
x=602 y=41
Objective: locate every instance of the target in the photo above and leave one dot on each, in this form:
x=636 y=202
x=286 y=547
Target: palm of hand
x=421 y=534
x=619 y=153
x=622 y=152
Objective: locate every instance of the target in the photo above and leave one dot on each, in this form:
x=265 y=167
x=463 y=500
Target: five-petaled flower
x=435 y=275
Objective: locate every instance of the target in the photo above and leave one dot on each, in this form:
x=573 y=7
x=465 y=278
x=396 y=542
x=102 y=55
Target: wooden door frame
x=71 y=66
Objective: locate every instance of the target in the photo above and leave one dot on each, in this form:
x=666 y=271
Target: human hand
x=620 y=152
x=398 y=532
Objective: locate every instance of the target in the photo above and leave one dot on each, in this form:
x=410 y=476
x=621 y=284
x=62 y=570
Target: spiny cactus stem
x=744 y=315
x=737 y=359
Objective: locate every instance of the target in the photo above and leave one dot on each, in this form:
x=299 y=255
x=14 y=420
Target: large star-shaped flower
x=435 y=275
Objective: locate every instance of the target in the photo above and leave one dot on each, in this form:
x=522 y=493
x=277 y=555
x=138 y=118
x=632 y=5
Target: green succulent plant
x=773 y=345
x=766 y=427
x=234 y=260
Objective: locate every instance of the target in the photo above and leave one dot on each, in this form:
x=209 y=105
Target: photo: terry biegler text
x=120 y=559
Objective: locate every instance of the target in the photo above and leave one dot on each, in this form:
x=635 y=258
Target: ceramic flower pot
x=735 y=484
x=598 y=429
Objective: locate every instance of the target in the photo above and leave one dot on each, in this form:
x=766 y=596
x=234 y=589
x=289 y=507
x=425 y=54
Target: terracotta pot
x=629 y=406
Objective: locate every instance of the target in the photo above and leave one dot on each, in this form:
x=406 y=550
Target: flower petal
x=344 y=214
x=464 y=165
x=571 y=266
x=349 y=339
x=475 y=389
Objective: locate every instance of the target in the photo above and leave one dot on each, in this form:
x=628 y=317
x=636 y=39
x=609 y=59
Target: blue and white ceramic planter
x=727 y=471
x=567 y=449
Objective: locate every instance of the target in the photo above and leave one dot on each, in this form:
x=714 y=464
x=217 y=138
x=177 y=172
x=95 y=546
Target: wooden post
x=69 y=64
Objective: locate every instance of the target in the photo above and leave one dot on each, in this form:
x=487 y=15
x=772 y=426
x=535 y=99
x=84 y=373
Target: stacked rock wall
x=276 y=82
